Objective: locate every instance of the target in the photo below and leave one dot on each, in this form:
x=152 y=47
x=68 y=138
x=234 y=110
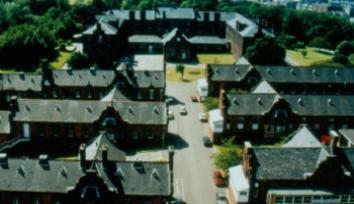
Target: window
x=279 y=199
x=243 y=193
x=151 y=49
x=240 y=126
x=228 y=126
x=344 y=199
x=297 y=199
x=288 y=199
x=307 y=199
x=345 y=126
x=255 y=126
x=317 y=126
x=16 y=200
x=56 y=201
x=54 y=92
x=151 y=94
x=77 y=93
x=135 y=135
x=150 y=134
x=36 y=200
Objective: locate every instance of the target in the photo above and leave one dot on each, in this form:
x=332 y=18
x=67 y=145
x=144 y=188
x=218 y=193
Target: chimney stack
x=104 y=151
x=142 y=15
x=14 y=103
x=217 y=17
x=3 y=159
x=334 y=141
x=82 y=152
x=43 y=161
x=132 y=15
x=206 y=16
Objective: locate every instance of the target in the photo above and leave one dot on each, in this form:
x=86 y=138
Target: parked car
x=177 y=201
x=221 y=198
x=170 y=115
x=219 y=179
x=183 y=110
x=206 y=141
x=203 y=117
x=194 y=98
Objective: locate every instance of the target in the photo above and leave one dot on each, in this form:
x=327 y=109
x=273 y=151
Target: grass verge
x=215 y=59
x=61 y=60
x=190 y=74
x=309 y=57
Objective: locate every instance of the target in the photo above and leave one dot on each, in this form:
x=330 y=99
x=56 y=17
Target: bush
x=351 y=59
x=210 y=103
x=340 y=59
x=287 y=41
x=320 y=42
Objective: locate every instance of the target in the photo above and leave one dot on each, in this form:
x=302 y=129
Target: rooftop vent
x=138 y=165
x=93 y=70
x=259 y=101
x=32 y=80
x=21 y=170
x=9 y=79
x=58 y=108
x=119 y=173
x=64 y=172
x=22 y=75
x=237 y=70
x=336 y=72
x=330 y=102
x=70 y=71
x=80 y=76
x=156 y=110
x=234 y=100
x=268 y=71
x=292 y=71
x=130 y=109
x=3 y=158
x=28 y=107
x=300 y=102
x=89 y=108
x=314 y=72
x=104 y=76
x=155 y=173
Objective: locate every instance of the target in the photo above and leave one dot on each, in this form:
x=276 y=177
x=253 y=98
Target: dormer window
x=90 y=193
x=77 y=93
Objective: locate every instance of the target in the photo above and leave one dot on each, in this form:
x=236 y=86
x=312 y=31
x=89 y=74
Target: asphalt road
x=193 y=168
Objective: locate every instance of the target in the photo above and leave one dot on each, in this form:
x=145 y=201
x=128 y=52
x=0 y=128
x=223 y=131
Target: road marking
x=179 y=188
x=182 y=187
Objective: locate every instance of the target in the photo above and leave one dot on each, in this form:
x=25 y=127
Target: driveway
x=193 y=166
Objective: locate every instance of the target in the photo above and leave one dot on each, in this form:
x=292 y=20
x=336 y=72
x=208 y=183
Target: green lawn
x=72 y=2
x=215 y=59
x=190 y=74
x=311 y=58
x=61 y=60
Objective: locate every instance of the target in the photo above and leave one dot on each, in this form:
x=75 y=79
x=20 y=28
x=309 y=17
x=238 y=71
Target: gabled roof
x=348 y=134
x=20 y=82
x=207 y=40
x=300 y=162
x=170 y=35
x=78 y=111
x=83 y=78
x=250 y=104
x=144 y=39
x=145 y=179
x=312 y=75
x=264 y=87
x=303 y=137
x=238 y=179
x=229 y=73
x=105 y=27
x=146 y=79
x=94 y=149
x=242 y=61
x=4 y=122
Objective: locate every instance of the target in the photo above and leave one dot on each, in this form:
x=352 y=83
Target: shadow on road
x=177 y=141
x=172 y=101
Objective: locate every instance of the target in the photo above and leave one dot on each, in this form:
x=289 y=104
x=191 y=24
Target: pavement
x=193 y=180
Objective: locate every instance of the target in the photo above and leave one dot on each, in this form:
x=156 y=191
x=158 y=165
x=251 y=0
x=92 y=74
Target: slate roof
x=250 y=27
x=242 y=61
x=144 y=39
x=105 y=27
x=302 y=105
x=207 y=40
x=348 y=134
x=146 y=79
x=76 y=111
x=250 y=104
x=299 y=162
x=175 y=13
x=83 y=78
x=148 y=63
x=4 y=122
x=20 y=82
x=94 y=149
x=312 y=75
x=346 y=155
x=321 y=105
x=264 y=87
x=21 y=175
x=303 y=137
x=230 y=73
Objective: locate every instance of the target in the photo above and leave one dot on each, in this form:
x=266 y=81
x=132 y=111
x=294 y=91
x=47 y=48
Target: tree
x=227 y=157
x=345 y=48
x=320 y=42
x=287 y=41
x=304 y=53
x=180 y=69
x=79 y=61
x=265 y=51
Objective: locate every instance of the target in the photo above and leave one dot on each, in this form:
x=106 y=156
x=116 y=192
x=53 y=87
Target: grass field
x=72 y=2
x=61 y=60
x=215 y=58
x=311 y=58
x=190 y=74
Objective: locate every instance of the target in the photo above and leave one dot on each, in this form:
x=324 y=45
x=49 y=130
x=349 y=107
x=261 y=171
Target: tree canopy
x=265 y=51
